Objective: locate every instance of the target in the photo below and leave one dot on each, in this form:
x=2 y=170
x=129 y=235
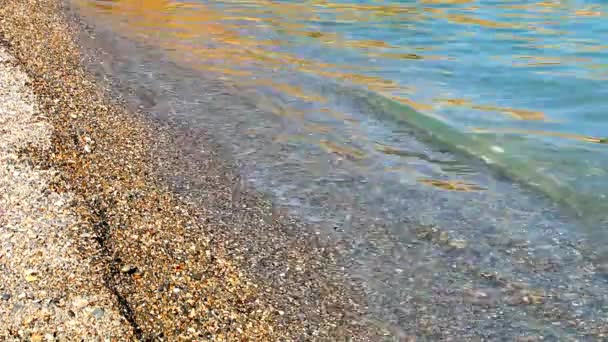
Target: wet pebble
x=485 y=297
x=457 y=244
x=602 y=269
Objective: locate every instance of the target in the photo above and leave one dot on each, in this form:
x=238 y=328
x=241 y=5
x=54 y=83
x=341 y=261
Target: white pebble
x=497 y=149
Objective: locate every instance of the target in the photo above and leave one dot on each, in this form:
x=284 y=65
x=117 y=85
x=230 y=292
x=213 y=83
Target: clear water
x=377 y=118
x=519 y=85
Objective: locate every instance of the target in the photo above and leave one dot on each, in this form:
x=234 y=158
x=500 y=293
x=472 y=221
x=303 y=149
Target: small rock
x=497 y=149
x=36 y=338
x=17 y=307
x=443 y=237
x=533 y=299
x=98 y=313
x=6 y=296
x=129 y=269
x=164 y=287
x=458 y=244
x=80 y=303
x=30 y=278
x=425 y=232
x=484 y=297
x=31 y=275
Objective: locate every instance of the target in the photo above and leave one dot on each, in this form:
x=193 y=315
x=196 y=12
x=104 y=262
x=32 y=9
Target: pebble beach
x=94 y=247
x=145 y=197
x=48 y=289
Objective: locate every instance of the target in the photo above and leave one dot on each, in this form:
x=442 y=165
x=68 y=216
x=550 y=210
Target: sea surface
x=455 y=147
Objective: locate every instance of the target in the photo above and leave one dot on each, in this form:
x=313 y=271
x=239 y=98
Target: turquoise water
x=519 y=85
x=523 y=82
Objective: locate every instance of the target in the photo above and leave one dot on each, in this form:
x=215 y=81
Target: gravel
x=41 y=268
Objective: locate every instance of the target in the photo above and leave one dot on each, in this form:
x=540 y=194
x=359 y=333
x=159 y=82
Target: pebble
x=6 y=296
x=80 y=303
x=31 y=275
x=485 y=297
x=17 y=307
x=458 y=244
x=443 y=237
x=98 y=313
x=532 y=299
x=129 y=269
x=497 y=149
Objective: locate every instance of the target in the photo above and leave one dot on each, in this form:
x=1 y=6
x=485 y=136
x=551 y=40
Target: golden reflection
x=520 y=114
x=546 y=60
x=291 y=90
x=589 y=11
x=215 y=40
x=449 y=2
x=584 y=138
x=317 y=128
x=452 y=185
x=421 y=107
x=389 y=150
x=380 y=10
x=341 y=150
x=463 y=19
x=374 y=83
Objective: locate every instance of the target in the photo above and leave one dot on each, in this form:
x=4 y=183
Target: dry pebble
x=38 y=261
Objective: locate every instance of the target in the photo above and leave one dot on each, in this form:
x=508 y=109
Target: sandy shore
x=95 y=247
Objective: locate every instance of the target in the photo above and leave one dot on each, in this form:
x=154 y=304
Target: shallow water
x=393 y=125
x=515 y=84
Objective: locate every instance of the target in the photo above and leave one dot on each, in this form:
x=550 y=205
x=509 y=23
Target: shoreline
x=174 y=269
